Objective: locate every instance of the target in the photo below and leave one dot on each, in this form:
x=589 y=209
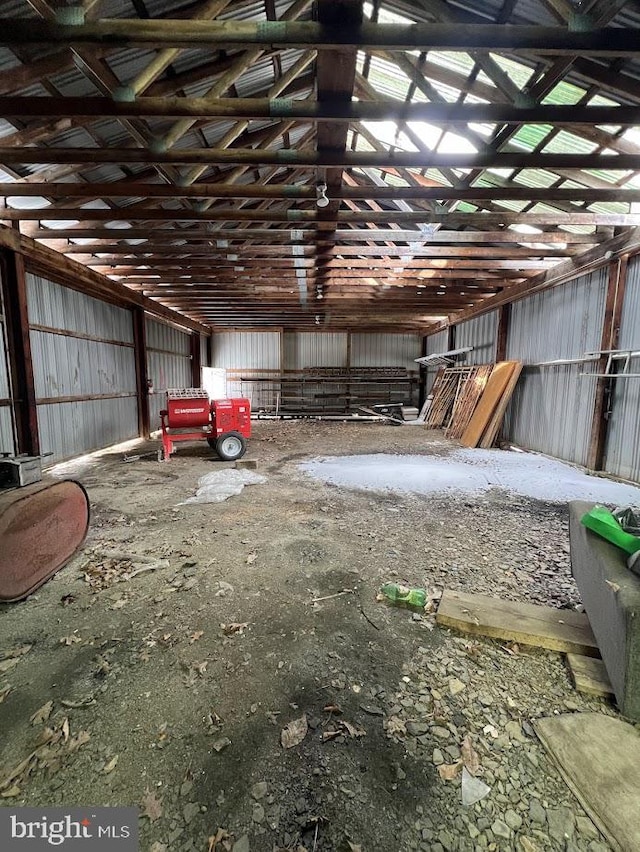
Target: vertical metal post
x=23 y=392
x=142 y=374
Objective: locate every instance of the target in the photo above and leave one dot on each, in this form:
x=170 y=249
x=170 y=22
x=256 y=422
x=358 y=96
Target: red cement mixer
x=190 y=416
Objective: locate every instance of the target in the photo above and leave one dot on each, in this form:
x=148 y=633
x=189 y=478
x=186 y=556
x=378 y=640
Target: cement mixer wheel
x=231 y=446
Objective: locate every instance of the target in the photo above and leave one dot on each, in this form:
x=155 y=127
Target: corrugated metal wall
x=436 y=343
x=623 y=444
x=314 y=349
x=7 y=441
x=246 y=354
x=84 y=369
x=552 y=408
x=480 y=333
x=168 y=364
x=385 y=350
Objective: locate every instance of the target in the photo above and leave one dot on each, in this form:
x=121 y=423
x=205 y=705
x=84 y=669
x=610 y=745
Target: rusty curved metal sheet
x=42 y=526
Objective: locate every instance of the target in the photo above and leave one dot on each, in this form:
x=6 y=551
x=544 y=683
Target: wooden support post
x=348 y=366
x=196 y=361
x=451 y=337
x=23 y=392
x=142 y=375
x=422 y=386
x=209 y=351
x=502 y=334
x=610 y=336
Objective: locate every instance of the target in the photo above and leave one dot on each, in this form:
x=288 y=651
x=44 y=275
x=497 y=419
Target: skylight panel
x=564 y=93
x=568 y=143
x=529 y=136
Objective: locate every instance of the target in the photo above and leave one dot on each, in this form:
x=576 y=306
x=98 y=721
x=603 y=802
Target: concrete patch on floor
x=470 y=472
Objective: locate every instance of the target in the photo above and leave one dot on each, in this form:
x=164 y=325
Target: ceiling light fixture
x=321 y=195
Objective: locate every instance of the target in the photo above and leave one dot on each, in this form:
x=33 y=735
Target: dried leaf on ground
x=469 y=756
x=219 y=841
x=4 y=691
x=332 y=708
x=11 y=792
x=109 y=767
x=158 y=847
x=20 y=651
x=118 y=604
x=70 y=640
x=395 y=727
x=354 y=847
x=352 y=730
x=448 y=771
x=200 y=668
x=5 y=665
x=234 y=627
x=81 y=738
x=195 y=636
x=293 y=733
x=65 y=729
x=42 y=714
x=251 y=558
x=615 y=587
x=68 y=599
x=151 y=806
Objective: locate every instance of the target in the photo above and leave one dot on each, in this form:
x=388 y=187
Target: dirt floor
x=169 y=689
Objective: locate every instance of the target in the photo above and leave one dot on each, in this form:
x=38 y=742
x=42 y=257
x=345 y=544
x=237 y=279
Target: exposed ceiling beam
x=320 y=110
x=215 y=236
x=221 y=35
x=314 y=159
x=232 y=214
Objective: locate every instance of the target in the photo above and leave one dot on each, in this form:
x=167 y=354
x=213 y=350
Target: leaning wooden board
x=489 y=401
x=493 y=426
x=589 y=675
x=599 y=758
x=528 y=624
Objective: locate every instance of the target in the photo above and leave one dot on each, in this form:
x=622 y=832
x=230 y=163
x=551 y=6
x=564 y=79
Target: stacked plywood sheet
x=489 y=412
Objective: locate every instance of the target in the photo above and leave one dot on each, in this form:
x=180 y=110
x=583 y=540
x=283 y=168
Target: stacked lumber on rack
x=470 y=402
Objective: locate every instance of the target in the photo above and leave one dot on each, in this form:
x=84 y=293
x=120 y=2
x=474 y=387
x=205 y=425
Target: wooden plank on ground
x=491 y=396
x=599 y=758
x=493 y=427
x=589 y=675
x=528 y=624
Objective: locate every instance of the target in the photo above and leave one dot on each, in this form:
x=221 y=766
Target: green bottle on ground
x=402 y=596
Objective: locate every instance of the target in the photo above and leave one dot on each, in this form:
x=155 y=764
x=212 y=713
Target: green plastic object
x=601 y=521
x=402 y=596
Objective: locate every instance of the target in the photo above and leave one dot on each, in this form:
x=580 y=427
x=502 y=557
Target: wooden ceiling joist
x=187 y=173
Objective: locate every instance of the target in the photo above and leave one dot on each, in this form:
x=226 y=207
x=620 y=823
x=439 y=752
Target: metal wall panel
x=235 y=350
x=250 y=354
x=7 y=444
x=167 y=338
x=203 y=350
x=436 y=343
x=315 y=349
x=168 y=364
x=59 y=307
x=72 y=366
x=76 y=362
x=71 y=428
x=385 y=350
x=622 y=456
x=552 y=407
x=480 y=333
